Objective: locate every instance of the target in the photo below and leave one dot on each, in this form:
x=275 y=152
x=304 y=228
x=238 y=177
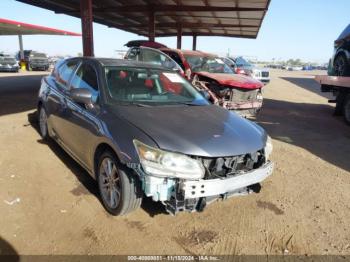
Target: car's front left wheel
x=120 y=190
x=43 y=123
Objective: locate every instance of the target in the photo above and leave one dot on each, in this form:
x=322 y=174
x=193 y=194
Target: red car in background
x=207 y=72
x=226 y=88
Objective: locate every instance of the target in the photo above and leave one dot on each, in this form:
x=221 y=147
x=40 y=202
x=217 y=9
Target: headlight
x=161 y=163
x=268 y=147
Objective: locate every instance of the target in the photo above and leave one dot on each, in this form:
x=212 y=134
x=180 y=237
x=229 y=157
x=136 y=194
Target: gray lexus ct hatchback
x=142 y=130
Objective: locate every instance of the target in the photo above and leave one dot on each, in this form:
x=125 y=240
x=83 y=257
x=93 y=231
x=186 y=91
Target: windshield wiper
x=187 y=103
x=140 y=104
x=134 y=104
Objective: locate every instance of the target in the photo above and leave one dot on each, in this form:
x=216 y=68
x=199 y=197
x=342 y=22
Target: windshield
x=208 y=64
x=148 y=87
x=5 y=59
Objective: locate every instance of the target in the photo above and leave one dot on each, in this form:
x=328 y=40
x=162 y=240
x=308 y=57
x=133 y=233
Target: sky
x=304 y=29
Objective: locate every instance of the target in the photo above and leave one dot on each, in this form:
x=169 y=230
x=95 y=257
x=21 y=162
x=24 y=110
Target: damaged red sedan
x=225 y=88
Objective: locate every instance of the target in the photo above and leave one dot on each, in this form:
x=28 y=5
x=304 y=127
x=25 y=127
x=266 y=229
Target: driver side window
x=86 y=77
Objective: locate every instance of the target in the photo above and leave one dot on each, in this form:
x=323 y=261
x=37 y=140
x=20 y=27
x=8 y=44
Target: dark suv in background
x=340 y=63
x=35 y=60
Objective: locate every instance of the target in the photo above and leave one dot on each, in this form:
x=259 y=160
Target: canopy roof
x=9 y=27
x=233 y=18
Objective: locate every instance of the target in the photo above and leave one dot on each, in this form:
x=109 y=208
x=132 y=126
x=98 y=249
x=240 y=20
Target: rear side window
x=229 y=62
x=64 y=73
x=158 y=58
x=177 y=59
x=241 y=62
x=133 y=54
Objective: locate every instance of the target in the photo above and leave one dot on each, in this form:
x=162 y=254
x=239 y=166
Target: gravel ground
x=49 y=205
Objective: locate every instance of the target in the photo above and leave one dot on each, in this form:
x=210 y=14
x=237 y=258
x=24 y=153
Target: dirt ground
x=49 y=205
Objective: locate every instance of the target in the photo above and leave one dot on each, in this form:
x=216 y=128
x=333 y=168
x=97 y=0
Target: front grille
x=230 y=166
x=265 y=74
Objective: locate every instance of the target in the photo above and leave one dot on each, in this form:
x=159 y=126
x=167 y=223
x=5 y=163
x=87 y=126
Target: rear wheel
x=346 y=109
x=120 y=192
x=341 y=66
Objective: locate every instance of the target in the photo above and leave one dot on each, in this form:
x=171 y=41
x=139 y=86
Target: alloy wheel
x=43 y=122
x=109 y=182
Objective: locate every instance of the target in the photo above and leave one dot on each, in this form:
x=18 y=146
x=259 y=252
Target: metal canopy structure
x=162 y=18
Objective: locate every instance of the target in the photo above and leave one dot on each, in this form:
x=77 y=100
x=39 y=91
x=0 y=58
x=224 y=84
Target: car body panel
x=233 y=80
x=213 y=131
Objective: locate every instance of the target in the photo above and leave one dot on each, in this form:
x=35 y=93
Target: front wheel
x=119 y=189
x=43 y=123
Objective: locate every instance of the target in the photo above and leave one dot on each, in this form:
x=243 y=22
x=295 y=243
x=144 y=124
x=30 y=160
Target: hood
x=233 y=80
x=208 y=131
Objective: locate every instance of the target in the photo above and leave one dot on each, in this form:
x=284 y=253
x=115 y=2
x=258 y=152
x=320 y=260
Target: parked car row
x=33 y=60
x=242 y=66
x=143 y=129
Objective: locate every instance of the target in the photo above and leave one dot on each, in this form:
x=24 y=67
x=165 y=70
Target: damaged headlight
x=268 y=147
x=161 y=163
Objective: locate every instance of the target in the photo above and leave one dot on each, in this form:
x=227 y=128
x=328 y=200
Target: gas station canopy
x=232 y=18
x=9 y=27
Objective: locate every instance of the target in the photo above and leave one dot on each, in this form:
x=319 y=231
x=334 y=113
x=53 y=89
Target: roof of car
x=121 y=62
x=189 y=52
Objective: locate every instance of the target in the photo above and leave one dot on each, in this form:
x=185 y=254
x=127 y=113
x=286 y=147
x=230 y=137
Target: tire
x=42 y=119
x=341 y=66
x=346 y=109
x=339 y=104
x=119 y=189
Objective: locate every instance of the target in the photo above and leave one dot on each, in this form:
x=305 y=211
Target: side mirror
x=205 y=94
x=81 y=96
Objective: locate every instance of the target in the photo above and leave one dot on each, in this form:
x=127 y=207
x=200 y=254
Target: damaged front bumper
x=193 y=195
x=215 y=187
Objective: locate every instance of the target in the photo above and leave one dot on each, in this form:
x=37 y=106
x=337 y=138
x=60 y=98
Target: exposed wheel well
x=99 y=150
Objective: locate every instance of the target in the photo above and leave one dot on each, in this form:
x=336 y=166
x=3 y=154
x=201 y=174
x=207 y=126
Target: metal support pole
x=21 y=51
x=86 y=27
x=194 y=43
x=151 y=26
x=179 y=35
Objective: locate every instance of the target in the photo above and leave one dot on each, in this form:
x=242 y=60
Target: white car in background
x=242 y=66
